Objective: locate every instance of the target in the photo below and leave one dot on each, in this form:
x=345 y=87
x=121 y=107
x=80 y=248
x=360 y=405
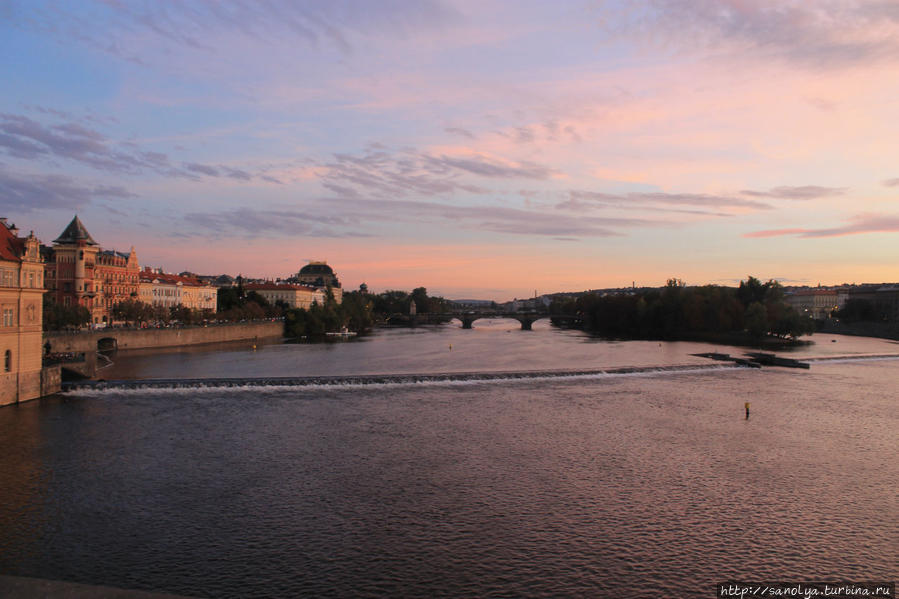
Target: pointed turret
x=74 y=233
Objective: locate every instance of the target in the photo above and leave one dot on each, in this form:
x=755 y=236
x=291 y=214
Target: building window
x=7 y=278
x=8 y=361
x=9 y=317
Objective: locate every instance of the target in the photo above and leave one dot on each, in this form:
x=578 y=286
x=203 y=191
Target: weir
x=723 y=362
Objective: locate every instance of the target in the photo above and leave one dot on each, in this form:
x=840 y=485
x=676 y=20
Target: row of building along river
x=651 y=483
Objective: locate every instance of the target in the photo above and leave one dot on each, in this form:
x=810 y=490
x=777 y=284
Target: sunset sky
x=482 y=149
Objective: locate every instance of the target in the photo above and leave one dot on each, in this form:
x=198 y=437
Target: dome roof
x=316 y=268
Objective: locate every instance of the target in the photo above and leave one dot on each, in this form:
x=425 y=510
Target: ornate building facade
x=319 y=274
x=118 y=276
x=21 y=307
x=80 y=273
x=170 y=291
x=295 y=296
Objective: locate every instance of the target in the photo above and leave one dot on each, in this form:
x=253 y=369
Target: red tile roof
x=276 y=287
x=150 y=276
x=11 y=247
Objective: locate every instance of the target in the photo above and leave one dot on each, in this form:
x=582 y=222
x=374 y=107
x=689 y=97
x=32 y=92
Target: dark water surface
x=493 y=345
x=640 y=485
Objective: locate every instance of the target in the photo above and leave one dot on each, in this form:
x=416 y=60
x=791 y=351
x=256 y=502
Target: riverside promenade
x=133 y=338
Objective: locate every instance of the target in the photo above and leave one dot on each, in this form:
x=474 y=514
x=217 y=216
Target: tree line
x=360 y=311
x=676 y=311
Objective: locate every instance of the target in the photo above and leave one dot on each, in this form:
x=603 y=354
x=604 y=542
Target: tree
x=131 y=310
x=228 y=298
x=58 y=317
x=791 y=323
x=750 y=291
x=756 y=319
x=419 y=295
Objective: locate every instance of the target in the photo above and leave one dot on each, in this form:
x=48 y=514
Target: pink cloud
x=776 y=232
x=864 y=223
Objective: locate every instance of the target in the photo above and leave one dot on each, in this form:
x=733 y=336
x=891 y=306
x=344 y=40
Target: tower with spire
x=75 y=257
x=81 y=273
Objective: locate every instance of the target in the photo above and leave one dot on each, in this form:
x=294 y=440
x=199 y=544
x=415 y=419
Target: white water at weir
x=382 y=381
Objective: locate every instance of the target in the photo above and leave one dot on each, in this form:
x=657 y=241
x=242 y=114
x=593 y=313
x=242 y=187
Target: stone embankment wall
x=174 y=337
x=51 y=380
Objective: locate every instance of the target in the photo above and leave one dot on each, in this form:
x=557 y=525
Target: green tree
x=59 y=317
x=228 y=298
x=132 y=311
x=419 y=295
x=756 y=319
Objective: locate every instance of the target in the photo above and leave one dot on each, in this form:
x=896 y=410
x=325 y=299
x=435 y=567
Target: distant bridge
x=525 y=318
x=468 y=317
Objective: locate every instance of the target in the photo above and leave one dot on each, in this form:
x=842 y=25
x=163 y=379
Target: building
x=884 y=299
x=118 y=278
x=171 y=291
x=80 y=273
x=815 y=303
x=319 y=274
x=21 y=305
x=70 y=272
x=292 y=294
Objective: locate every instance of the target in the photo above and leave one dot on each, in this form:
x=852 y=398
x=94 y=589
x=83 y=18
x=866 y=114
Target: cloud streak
x=210 y=27
x=318 y=219
x=250 y=223
x=26 y=139
x=858 y=225
x=581 y=200
x=380 y=172
x=826 y=34
x=25 y=193
x=805 y=192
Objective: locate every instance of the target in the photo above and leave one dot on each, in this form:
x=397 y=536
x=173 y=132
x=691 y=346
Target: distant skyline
x=481 y=149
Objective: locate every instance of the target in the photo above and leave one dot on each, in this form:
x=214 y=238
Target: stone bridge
x=527 y=319
x=467 y=318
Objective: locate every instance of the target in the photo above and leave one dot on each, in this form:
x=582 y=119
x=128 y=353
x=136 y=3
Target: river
x=651 y=483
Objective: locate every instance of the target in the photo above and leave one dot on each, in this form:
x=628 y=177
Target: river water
x=646 y=484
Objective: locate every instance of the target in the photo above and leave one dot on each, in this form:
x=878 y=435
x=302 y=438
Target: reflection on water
x=650 y=485
x=496 y=344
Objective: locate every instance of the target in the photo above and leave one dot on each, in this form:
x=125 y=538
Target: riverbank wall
x=111 y=339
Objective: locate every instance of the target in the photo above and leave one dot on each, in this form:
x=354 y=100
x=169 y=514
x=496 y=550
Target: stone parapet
x=88 y=341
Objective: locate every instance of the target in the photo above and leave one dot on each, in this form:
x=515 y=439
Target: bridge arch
x=107 y=344
x=526 y=320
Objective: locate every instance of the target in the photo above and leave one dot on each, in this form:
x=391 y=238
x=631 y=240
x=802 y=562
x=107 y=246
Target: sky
x=482 y=149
